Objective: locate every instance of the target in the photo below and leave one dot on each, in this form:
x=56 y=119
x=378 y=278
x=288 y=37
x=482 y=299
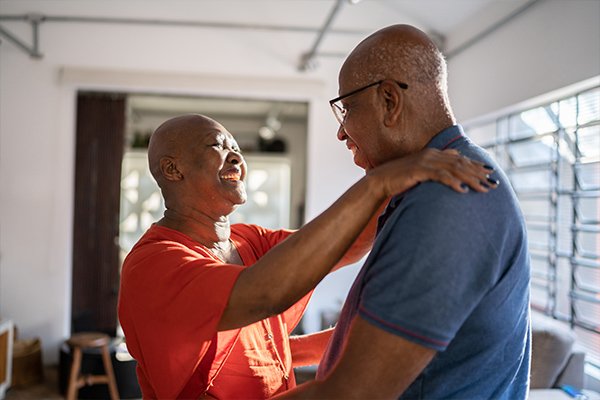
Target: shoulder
x=427 y=219
x=435 y=201
x=258 y=235
x=256 y=229
x=251 y=230
x=438 y=202
x=436 y=226
x=433 y=213
x=162 y=251
x=159 y=239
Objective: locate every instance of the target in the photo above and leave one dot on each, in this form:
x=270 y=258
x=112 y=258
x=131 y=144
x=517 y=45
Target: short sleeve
x=429 y=267
x=253 y=241
x=171 y=300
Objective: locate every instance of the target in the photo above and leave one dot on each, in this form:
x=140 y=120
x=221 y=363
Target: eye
x=232 y=145
x=343 y=108
x=218 y=145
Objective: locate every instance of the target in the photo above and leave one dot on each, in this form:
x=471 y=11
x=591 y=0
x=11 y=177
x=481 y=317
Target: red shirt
x=173 y=293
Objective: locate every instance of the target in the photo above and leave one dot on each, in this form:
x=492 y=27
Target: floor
x=46 y=390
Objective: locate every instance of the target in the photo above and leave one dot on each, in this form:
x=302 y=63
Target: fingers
x=448 y=167
x=463 y=174
x=449 y=179
x=474 y=175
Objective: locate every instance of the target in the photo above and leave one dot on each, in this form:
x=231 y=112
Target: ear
x=169 y=170
x=393 y=98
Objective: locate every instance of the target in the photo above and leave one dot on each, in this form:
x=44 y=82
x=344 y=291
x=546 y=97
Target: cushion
x=552 y=344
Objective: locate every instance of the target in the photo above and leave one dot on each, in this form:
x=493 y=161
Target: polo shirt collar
x=441 y=141
x=446 y=137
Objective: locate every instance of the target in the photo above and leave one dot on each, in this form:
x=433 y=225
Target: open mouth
x=232 y=176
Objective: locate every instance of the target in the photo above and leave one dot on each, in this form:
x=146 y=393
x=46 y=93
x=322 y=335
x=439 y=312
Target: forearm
x=287 y=272
x=308 y=349
x=374 y=364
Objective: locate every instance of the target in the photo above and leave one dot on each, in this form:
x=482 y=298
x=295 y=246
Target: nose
x=235 y=158
x=341 y=133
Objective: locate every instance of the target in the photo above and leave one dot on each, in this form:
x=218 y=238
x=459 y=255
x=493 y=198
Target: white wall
x=37 y=136
x=37 y=118
x=553 y=44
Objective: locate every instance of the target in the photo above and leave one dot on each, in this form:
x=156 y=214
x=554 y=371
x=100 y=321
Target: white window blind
x=551 y=155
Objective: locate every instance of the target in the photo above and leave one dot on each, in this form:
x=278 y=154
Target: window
x=551 y=155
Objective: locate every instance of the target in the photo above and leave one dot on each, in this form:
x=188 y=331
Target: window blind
x=551 y=154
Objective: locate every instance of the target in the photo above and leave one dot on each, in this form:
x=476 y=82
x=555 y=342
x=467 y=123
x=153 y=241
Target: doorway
x=116 y=199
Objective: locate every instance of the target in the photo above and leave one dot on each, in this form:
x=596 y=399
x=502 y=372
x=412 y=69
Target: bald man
x=207 y=307
x=440 y=310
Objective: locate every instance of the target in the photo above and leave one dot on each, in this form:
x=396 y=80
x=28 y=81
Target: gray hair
x=422 y=67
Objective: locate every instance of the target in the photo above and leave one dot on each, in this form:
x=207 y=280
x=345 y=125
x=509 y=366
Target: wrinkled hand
x=447 y=167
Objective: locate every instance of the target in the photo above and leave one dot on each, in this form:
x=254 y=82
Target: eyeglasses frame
x=355 y=91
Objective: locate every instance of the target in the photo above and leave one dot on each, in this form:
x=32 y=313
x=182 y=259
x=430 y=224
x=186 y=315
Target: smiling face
x=198 y=165
x=389 y=119
x=356 y=131
x=364 y=130
x=214 y=166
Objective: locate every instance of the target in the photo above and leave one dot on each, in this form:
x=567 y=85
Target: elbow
x=276 y=301
x=275 y=304
x=261 y=306
x=269 y=296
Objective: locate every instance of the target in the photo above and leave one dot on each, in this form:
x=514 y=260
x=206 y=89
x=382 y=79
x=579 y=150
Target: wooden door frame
x=100 y=133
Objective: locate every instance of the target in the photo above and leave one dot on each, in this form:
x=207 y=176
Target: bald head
x=198 y=166
x=400 y=52
x=405 y=54
x=174 y=137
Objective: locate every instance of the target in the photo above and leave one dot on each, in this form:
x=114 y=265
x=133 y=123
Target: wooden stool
x=90 y=340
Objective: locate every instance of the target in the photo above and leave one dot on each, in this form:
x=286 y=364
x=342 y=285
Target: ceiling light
x=266 y=133
x=273 y=122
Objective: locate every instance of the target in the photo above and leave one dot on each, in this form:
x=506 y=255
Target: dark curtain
x=99 y=153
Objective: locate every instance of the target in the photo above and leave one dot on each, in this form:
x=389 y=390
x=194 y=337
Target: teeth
x=234 y=177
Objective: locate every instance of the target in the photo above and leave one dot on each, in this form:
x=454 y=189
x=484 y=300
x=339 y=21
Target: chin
x=241 y=199
x=239 y=195
x=236 y=204
x=362 y=163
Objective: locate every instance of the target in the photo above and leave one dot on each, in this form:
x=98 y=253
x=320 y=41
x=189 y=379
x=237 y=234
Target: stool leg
x=112 y=382
x=74 y=376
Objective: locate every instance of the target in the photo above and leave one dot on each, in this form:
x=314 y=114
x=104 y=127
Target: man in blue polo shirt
x=441 y=307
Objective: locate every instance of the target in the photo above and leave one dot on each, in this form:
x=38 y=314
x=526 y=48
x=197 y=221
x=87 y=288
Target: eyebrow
x=214 y=135
x=223 y=136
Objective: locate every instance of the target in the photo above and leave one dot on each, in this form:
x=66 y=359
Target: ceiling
x=325 y=28
x=332 y=27
x=141 y=106
x=331 y=23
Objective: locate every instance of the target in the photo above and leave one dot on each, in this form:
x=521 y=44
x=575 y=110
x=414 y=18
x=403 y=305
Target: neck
x=427 y=117
x=422 y=131
x=208 y=231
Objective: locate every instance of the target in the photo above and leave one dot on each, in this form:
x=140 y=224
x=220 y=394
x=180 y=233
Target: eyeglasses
x=338 y=108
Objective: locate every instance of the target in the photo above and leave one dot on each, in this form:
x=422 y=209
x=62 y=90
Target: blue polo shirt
x=451 y=272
